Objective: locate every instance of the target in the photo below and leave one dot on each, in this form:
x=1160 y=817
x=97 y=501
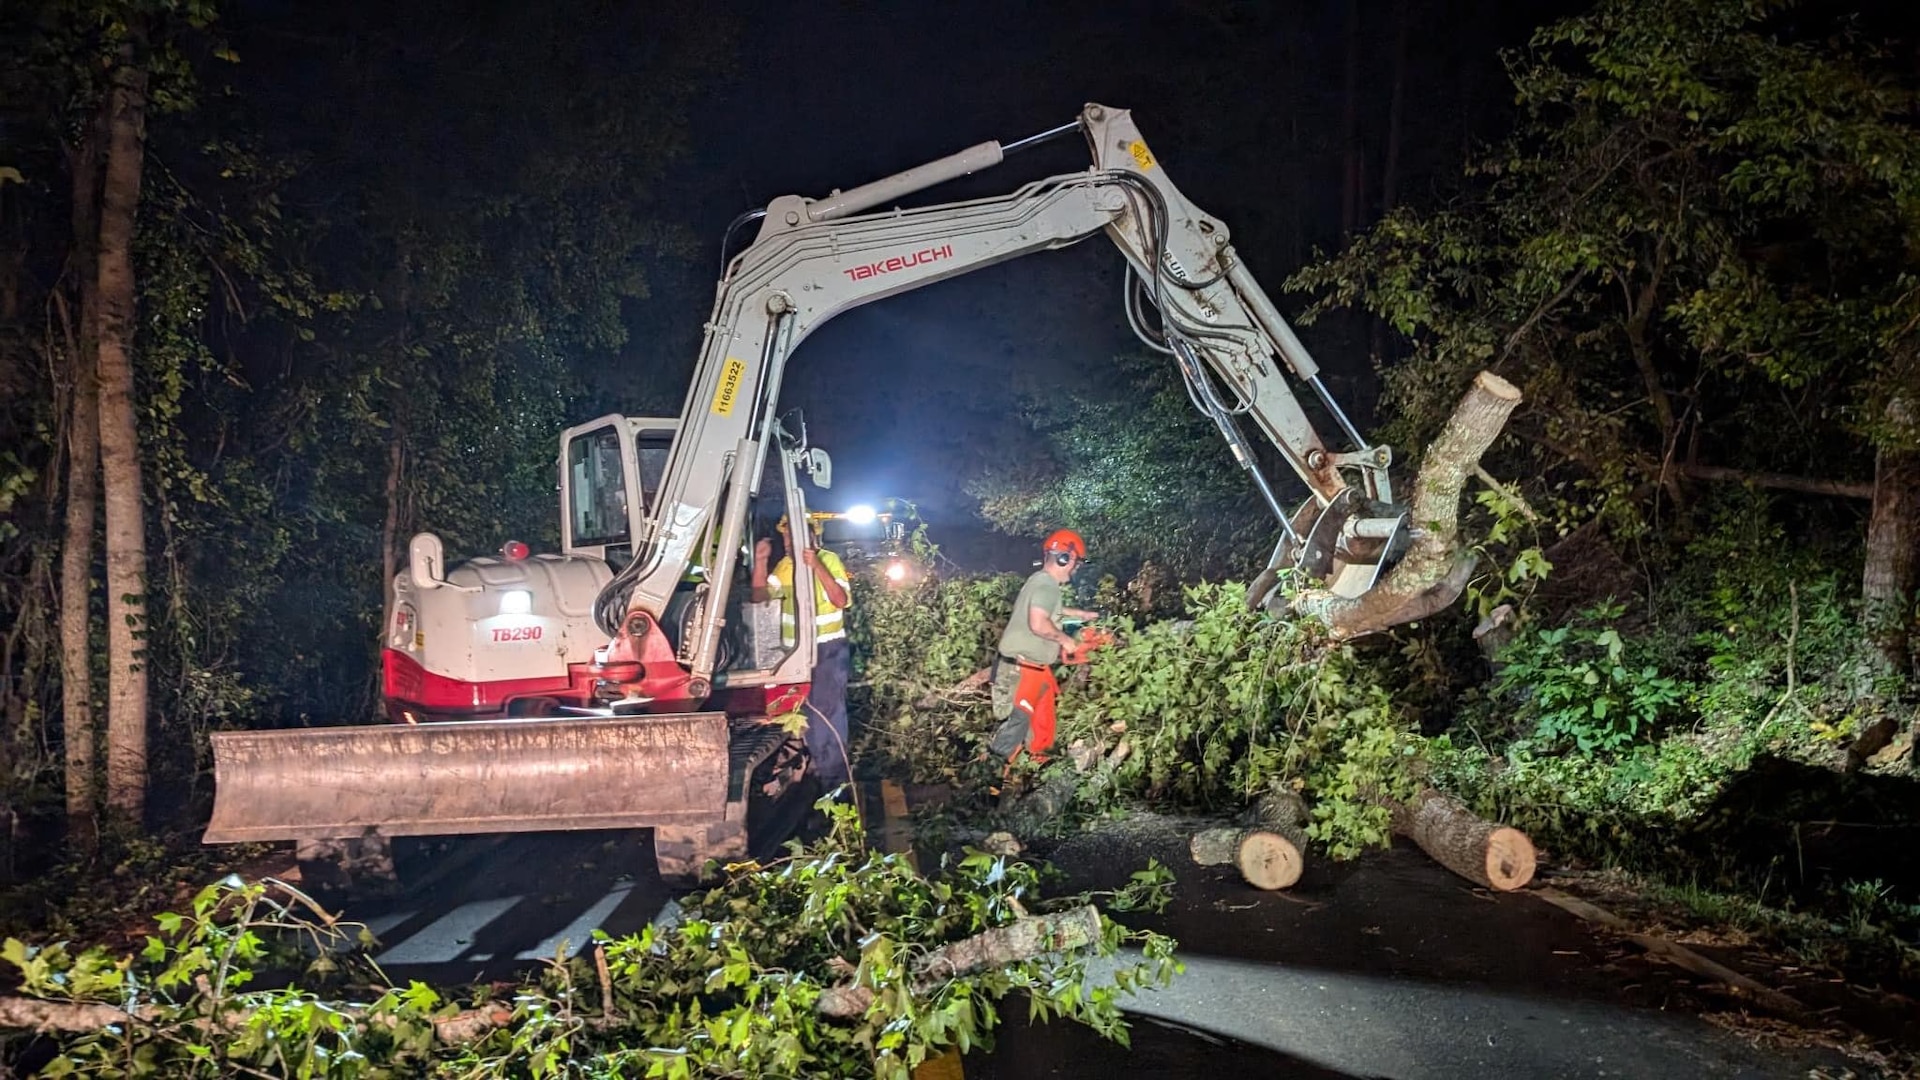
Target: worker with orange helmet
x=1024 y=688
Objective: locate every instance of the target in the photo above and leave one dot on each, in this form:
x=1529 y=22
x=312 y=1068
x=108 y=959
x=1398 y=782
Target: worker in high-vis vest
x=833 y=660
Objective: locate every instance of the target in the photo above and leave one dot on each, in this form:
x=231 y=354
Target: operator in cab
x=833 y=660
x=1024 y=688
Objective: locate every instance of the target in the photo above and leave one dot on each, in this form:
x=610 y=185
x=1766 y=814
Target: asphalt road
x=1365 y=1026
x=1390 y=968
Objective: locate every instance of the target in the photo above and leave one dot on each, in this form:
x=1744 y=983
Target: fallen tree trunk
x=1021 y=940
x=1496 y=856
x=1061 y=788
x=1811 y=485
x=82 y=1017
x=999 y=947
x=1681 y=956
x=1435 y=569
x=1267 y=860
x=1270 y=850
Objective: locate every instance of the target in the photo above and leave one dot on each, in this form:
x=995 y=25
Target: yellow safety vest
x=829 y=624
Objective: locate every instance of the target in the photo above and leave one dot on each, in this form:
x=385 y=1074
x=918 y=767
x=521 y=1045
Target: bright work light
x=861 y=515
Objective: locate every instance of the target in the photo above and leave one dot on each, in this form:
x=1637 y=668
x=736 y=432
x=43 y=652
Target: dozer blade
x=480 y=776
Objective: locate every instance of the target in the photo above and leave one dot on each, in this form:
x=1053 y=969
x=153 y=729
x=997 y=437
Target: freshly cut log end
x=1267 y=860
x=1510 y=859
x=1498 y=857
x=1500 y=388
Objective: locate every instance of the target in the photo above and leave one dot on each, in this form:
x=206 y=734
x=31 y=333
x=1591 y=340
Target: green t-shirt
x=1019 y=640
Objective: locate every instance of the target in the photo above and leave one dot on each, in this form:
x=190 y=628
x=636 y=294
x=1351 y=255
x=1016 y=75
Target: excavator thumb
x=683 y=775
x=1426 y=565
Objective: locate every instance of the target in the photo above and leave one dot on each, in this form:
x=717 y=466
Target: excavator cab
x=610 y=471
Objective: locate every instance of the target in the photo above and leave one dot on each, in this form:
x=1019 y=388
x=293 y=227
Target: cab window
x=652 y=448
x=597 y=485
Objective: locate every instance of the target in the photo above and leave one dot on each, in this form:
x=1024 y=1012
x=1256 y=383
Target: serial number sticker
x=729 y=392
x=517 y=633
x=1140 y=155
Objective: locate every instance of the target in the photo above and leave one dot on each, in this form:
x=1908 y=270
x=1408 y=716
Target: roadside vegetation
x=1689 y=650
x=1688 y=656
x=833 y=961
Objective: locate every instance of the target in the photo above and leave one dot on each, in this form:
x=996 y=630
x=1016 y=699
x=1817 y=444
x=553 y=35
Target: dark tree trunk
x=1893 y=544
x=1350 y=193
x=390 y=529
x=1396 y=108
x=83 y=492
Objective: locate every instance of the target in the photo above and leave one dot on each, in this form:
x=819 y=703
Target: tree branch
x=1841 y=489
x=1002 y=946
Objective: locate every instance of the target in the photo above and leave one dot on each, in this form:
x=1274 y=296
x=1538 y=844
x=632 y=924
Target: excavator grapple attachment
x=483 y=776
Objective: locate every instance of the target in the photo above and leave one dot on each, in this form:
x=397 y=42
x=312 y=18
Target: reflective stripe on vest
x=829 y=624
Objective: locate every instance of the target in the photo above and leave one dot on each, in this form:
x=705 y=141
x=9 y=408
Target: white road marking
x=580 y=931
x=446 y=938
x=380 y=924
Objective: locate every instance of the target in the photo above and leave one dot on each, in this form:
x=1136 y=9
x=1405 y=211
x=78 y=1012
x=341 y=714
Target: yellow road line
x=896 y=828
x=944 y=1067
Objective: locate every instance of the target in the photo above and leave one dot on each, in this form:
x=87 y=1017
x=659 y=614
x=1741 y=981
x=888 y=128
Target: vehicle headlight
x=516 y=602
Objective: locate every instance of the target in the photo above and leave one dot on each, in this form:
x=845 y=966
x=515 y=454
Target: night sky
x=1242 y=102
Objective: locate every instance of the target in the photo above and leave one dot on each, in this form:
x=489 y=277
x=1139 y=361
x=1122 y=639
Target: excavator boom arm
x=814 y=259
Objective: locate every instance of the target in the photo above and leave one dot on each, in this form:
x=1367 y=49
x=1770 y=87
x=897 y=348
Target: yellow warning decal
x=729 y=391
x=1140 y=155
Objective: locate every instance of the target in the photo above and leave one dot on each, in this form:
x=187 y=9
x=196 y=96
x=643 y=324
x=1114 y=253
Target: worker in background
x=1024 y=689
x=827 y=698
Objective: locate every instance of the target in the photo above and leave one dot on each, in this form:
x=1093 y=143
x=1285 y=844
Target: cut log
x=1278 y=809
x=1269 y=847
x=1060 y=789
x=1000 y=947
x=1436 y=567
x=1496 y=856
x=1267 y=860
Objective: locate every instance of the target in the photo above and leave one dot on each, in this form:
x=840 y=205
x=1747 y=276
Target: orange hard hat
x=1065 y=540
